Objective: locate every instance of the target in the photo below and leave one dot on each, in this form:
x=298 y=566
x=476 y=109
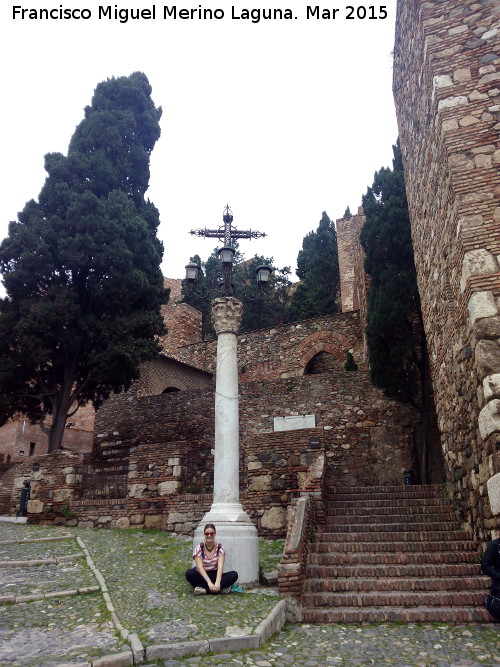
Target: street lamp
x=192 y=272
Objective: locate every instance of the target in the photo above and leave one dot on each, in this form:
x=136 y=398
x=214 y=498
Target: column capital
x=226 y=314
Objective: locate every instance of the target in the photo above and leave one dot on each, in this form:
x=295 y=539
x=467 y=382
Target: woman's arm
x=199 y=566
x=220 y=568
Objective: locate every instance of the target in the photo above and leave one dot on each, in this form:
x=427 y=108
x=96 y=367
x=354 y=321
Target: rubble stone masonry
x=447 y=94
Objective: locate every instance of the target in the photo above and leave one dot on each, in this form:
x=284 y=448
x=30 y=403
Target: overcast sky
x=282 y=119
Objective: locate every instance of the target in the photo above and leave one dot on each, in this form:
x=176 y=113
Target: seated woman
x=207 y=577
x=490 y=565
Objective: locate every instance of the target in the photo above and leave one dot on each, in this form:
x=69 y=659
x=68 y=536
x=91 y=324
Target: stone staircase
x=393 y=553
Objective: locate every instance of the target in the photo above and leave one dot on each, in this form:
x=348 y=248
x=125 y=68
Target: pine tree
x=395 y=335
x=81 y=266
x=318 y=269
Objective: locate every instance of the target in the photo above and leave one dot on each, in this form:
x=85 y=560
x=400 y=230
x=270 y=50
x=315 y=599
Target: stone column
x=235 y=529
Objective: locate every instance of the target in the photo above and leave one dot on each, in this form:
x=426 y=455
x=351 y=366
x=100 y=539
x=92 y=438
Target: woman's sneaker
x=226 y=591
x=199 y=590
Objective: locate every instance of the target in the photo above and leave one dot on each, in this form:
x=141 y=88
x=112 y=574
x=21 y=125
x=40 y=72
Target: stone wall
x=163 y=445
x=369 y=438
x=354 y=281
x=183 y=322
x=447 y=93
x=284 y=351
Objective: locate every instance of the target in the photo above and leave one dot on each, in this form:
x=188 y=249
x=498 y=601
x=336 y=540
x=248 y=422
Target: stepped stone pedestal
x=234 y=527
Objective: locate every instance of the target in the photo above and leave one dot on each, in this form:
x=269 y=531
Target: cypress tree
x=395 y=336
x=81 y=266
x=318 y=269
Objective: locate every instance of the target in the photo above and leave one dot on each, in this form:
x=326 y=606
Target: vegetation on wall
x=81 y=266
x=395 y=336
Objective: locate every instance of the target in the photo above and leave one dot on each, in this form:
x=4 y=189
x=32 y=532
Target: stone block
x=136 y=519
x=176 y=650
x=259 y=483
x=274 y=518
x=493 y=486
x=62 y=495
x=477 y=262
x=123 y=522
x=155 y=521
x=175 y=461
x=104 y=519
x=487 y=358
x=137 y=649
x=136 y=490
x=481 y=304
x=226 y=644
x=168 y=488
x=491 y=386
x=123 y=659
x=35 y=506
x=489 y=418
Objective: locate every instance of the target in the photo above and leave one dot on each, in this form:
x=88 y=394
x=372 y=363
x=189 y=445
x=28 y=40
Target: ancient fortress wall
x=283 y=351
x=354 y=281
x=447 y=94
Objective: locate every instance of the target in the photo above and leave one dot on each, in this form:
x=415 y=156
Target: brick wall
x=20 y=439
x=447 y=93
x=163 y=374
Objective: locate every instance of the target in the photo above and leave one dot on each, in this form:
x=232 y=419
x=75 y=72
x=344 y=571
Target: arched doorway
x=322 y=362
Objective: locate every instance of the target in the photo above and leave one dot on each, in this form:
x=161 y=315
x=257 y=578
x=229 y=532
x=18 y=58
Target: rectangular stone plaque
x=294 y=422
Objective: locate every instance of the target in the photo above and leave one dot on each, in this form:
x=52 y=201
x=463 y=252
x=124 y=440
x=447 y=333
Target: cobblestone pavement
x=386 y=644
x=144 y=575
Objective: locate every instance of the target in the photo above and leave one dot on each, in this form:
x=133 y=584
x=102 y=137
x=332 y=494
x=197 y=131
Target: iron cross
x=226 y=232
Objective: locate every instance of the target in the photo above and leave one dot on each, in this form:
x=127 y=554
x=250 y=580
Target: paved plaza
x=143 y=575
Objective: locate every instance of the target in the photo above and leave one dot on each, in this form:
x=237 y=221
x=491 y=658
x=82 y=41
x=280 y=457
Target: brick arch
x=322 y=341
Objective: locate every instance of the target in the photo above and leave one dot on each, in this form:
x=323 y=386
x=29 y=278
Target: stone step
x=390 y=584
x=362 y=505
x=440 y=598
x=374 y=494
x=394 y=537
x=388 y=516
x=387 y=488
x=369 y=528
x=382 y=546
x=363 y=571
x=364 y=557
x=453 y=616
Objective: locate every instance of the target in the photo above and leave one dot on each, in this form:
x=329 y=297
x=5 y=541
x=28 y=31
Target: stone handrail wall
x=302 y=518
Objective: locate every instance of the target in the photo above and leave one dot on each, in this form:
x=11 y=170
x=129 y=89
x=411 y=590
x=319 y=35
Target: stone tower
x=447 y=94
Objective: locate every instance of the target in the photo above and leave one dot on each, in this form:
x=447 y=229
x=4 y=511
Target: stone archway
x=322 y=362
x=322 y=342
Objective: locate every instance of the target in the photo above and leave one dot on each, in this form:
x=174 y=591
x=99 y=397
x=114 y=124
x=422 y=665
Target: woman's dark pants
x=195 y=579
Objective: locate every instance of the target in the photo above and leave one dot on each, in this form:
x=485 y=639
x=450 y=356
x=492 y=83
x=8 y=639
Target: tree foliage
x=261 y=309
x=81 y=265
x=395 y=335
x=318 y=269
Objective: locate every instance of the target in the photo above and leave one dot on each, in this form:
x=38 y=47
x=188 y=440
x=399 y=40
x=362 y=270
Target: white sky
x=280 y=119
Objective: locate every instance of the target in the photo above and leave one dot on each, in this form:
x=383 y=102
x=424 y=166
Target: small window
x=32 y=448
x=21 y=452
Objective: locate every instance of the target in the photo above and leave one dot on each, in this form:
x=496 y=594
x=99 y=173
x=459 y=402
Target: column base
x=238 y=534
